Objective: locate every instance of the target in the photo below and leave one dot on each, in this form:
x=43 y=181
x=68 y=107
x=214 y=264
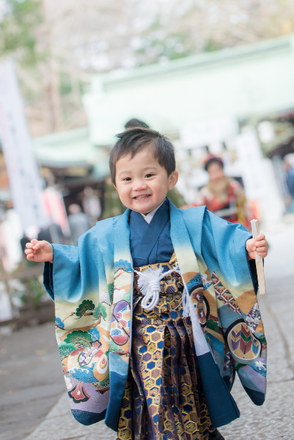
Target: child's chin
x=143 y=211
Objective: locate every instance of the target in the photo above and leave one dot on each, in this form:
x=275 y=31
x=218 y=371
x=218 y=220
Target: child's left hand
x=259 y=245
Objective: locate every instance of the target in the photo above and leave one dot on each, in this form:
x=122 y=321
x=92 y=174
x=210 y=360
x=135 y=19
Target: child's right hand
x=39 y=251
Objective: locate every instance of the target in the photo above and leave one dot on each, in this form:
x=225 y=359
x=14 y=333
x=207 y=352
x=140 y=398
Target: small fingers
x=262 y=250
x=31 y=256
x=262 y=246
x=250 y=245
x=261 y=243
x=29 y=251
x=37 y=244
x=260 y=237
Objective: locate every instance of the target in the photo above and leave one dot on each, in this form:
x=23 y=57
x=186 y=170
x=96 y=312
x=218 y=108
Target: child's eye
x=127 y=179
x=149 y=175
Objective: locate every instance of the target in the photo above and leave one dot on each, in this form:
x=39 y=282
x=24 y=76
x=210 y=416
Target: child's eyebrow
x=148 y=167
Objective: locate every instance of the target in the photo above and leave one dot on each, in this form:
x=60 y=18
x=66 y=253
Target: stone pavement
x=275 y=419
x=31 y=379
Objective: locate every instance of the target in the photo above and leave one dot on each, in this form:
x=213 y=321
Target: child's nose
x=139 y=185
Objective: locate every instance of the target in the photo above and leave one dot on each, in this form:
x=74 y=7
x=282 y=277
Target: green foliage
x=65 y=84
x=80 y=338
x=162 y=41
x=18 y=30
x=86 y=305
x=159 y=44
x=65 y=350
x=170 y=47
x=100 y=311
x=36 y=289
x=212 y=45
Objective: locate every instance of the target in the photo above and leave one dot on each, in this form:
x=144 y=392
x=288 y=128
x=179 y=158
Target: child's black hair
x=136 y=139
x=134 y=122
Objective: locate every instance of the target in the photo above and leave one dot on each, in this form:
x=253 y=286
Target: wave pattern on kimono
x=92 y=288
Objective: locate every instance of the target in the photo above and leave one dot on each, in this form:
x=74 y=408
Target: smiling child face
x=142 y=184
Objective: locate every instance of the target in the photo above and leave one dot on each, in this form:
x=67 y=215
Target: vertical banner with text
x=24 y=179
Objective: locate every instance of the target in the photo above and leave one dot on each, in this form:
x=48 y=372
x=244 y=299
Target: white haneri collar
x=151 y=214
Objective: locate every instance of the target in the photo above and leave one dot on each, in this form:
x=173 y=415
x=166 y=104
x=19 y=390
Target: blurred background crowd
x=216 y=76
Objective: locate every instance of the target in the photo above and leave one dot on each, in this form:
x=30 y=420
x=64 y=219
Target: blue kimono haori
x=153 y=320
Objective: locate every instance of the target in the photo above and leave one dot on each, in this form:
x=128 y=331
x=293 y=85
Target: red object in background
x=54 y=207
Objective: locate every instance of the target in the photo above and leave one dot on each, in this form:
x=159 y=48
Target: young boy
x=156 y=309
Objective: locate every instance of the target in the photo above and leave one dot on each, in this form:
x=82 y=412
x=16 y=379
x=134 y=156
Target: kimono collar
x=182 y=245
x=159 y=215
x=180 y=239
x=148 y=217
x=151 y=242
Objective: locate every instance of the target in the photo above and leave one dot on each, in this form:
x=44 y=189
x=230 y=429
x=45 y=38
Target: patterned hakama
x=163 y=398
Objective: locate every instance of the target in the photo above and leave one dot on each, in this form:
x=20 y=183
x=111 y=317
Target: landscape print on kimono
x=244 y=333
x=86 y=333
x=82 y=332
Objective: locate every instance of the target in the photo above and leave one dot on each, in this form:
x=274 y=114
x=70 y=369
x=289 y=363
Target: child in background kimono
x=156 y=308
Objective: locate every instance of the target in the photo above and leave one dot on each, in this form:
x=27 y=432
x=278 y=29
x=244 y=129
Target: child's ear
x=173 y=179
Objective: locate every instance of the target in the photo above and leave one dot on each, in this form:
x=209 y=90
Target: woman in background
x=224 y=196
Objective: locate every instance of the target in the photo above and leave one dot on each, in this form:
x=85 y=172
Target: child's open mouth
x=144 y=196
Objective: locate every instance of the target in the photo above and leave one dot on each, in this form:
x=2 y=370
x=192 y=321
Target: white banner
x=208 y=131
x=24 y=179
x=250 y=158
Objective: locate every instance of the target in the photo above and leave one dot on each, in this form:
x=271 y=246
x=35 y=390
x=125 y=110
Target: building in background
x=218 y=97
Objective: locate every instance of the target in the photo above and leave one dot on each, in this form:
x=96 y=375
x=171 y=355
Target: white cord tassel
x=149 y=285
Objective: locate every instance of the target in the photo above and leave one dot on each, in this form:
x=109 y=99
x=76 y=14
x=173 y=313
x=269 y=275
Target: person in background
x=290 y=183
x=79 y=222
x=112 y=204
x=91 y=204
x=223 y=195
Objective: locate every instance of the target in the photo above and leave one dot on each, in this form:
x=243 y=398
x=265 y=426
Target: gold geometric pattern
x=163 y=398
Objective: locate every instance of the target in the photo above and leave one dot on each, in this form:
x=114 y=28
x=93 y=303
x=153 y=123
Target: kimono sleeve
x=75 y=270
x=63 y=275
x=238 y=314
x=223 y=248
x=81 y=290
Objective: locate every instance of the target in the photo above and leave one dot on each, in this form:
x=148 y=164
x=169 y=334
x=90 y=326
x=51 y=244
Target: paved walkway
x=31 y=380
x=273 y=421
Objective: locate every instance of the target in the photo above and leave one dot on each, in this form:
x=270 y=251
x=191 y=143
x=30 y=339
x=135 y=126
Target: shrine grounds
x=33 y=403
